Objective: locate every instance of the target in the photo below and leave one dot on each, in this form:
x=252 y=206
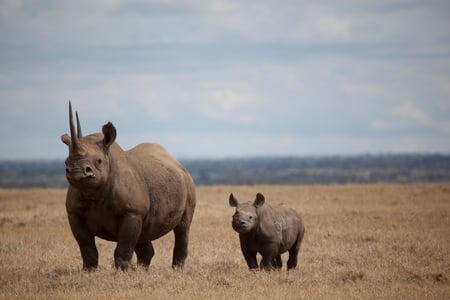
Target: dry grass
x=361 y=242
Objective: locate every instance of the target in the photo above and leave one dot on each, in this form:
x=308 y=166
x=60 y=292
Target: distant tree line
x=30 y=174
x=401 y=168
x=322 y=170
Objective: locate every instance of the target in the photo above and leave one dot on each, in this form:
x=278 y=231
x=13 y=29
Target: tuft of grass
x=369 y=238
x=437 y=277
x=351 y=276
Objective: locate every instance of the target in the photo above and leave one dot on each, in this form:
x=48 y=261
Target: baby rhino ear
x=259 y=201
x=233 y=201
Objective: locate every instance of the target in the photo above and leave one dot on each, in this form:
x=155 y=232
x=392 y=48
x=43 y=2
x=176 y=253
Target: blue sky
x=227 y=78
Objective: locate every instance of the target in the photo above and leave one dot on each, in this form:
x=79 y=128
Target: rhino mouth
x=241 y=227
x=88 y=179
x=77 y=180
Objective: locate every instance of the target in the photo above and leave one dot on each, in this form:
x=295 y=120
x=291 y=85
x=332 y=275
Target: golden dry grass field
x=362 y=242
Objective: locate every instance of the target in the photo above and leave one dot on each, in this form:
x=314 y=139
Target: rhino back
x=158 y=168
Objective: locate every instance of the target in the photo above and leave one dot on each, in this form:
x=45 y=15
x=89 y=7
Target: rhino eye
x=99 y=161
x=250 y=217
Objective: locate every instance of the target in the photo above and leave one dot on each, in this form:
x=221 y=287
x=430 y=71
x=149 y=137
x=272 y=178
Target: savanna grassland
x=362 y=242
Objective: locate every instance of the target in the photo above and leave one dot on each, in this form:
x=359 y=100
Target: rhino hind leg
x=292 y=261
x=293 y=252
x=180 y=250
x=181 y=231
x=144 y=253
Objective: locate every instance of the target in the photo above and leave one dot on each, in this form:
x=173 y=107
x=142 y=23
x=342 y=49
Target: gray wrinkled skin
x=269 y=231
x=131 y=197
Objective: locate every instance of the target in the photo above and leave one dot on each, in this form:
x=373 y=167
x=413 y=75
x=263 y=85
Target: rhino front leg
x=86 y=242
x=250 y=256
x=144 y=253
x=277 y=262
x=252 y=263
x=266 y=262
x=129 y=232
x=89 y=254
x=270 y=257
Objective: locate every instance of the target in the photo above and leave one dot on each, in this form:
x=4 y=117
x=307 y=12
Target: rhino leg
x=129 y=233
x=277 y=262
x=180 y=250
x=86 y=242
x=266 y=262
x=249 y=252
x=293 y=252
x=90 y=256
x=269 y=256
x=250 y=258
x=181 y=231
x=292 y=261
x=144 y=253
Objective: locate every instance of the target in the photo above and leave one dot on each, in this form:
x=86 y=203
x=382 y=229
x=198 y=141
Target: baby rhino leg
x=293 y=252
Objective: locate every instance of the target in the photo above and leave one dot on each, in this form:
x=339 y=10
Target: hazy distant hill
x=268 y=170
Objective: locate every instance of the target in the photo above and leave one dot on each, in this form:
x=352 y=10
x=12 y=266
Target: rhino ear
x=109 y=133
x=233 y=201
x=259 y=201
x=65 y=138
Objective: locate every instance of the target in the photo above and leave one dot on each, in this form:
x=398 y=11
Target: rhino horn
x=75 y=137
x=79 y=133
x=75 y=142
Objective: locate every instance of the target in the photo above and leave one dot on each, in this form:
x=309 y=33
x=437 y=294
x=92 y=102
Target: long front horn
x=73 y=135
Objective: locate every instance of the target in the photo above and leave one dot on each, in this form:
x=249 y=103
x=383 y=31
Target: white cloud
x=381 y=125
x=408 y=115
x=330 y=27
x=119 y=95
x=411 y=112
x=227 y=104
x=227 y=100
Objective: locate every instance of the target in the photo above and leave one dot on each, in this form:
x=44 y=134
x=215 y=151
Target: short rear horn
x=79 y=133
x=73 y=135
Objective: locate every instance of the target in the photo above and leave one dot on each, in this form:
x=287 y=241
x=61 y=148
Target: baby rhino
x=269 y=231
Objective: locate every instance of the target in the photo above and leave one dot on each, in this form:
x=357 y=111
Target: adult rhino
x=269 y=231
x=132 y=197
